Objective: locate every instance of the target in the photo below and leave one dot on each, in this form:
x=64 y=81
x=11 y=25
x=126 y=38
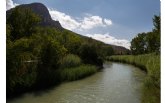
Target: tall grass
x=74 y=73
x=70 y=60
x=150 y=63
x=71 y=68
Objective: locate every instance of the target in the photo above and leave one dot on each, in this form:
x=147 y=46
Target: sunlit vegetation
x=151 y=63
x=74 y=73
x=147 y=42
x=39 y=57
x=142 y=44
x=69 y=61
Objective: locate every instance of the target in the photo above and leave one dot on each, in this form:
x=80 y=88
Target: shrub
x=89 y=54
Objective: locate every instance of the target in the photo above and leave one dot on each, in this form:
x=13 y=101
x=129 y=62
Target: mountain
x=46 y=20
x=120 y=50
x=42 y=11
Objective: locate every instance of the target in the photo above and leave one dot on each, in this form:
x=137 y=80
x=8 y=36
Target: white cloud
x=65 y=20
x=91 y=22
x=69 y=22
x=106 y=38
x=85 y=23
x=10 y=4
x=108 y=21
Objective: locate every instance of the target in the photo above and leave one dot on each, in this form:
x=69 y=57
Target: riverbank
x=116 y=83
x=150 y=63
x=61 y=75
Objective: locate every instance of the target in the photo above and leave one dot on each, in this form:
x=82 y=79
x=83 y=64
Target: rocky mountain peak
x=41 y=10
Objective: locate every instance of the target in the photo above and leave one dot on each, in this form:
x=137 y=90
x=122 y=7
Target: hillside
x=46 y=20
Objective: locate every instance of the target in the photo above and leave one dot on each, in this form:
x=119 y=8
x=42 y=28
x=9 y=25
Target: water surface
x=116 y=83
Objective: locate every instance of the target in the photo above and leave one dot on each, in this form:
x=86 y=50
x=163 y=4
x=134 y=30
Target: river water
x=116 y=83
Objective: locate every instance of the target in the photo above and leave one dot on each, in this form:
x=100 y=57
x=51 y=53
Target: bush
x=89 y=54
x=70 y=60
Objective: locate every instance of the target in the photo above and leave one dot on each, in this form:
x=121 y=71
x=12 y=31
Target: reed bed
x=151 y=64
x=75 y=73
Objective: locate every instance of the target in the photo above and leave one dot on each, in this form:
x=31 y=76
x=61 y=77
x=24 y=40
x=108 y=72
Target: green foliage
x=21 y=72
x=52 y=51
x=70 y=41
x=156 y=22
x=138 y=44
x=89 y=55
x=151 y=63
x=70 y=60
x=22 y=22
x=147 y=42
x=43 y=56
x=74 y=73
x=106 y=51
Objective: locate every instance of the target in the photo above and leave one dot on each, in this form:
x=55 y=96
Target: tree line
x=36 y=54
x=147 y=42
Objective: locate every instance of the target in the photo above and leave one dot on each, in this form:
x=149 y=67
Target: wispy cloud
x=65 y=20
x=91 y=22
x=71 y=23
x=108 y=21
x=107 y=38
x=85 y=23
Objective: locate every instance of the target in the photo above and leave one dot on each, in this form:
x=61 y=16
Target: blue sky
x=111 y=21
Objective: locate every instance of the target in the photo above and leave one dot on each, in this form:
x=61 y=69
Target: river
x=116 y=83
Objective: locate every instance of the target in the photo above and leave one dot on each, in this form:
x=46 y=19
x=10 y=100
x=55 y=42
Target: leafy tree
x=147 y=42
x=138 y=44
x=156 y=23
x=156 y=32
x=51 y=53
x=151 y=42
x=22 y=22
x=89 y=55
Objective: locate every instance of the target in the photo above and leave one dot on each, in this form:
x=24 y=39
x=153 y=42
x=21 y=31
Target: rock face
x=43 y=12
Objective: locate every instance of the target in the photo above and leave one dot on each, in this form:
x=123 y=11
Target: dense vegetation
x=146 y=54
x=38 y=57
x=150 y=62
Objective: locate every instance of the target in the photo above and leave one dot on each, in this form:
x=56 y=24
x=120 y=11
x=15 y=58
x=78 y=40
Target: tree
x=89 y=54
x=22 y=22
x=51 y=53
x=153 y=43
x=138 y=44
x=156 y=32
x=147 y=42
x=156 y=23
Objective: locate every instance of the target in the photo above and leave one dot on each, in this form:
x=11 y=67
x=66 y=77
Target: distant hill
x=120 y=50
x=46 y=20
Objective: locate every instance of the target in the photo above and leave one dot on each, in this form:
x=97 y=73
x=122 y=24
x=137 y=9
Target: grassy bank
x=150 y=63
x=74 y=73
x=72 y=68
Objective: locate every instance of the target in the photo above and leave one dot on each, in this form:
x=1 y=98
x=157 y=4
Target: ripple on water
x=117 y=83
